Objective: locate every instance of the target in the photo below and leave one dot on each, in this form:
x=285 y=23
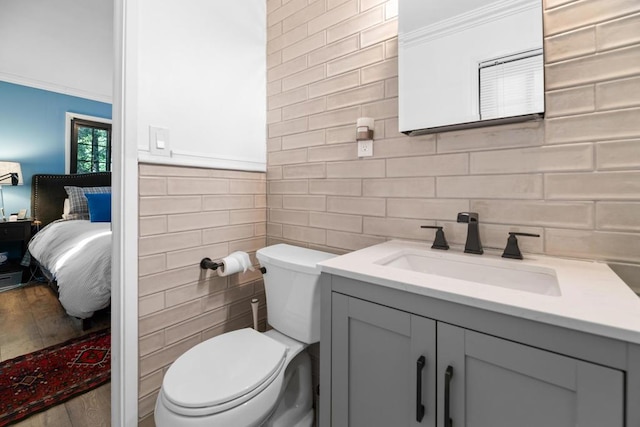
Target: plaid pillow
x=79 y=209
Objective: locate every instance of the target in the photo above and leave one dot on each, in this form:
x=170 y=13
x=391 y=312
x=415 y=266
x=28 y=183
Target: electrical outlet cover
x=365 y=148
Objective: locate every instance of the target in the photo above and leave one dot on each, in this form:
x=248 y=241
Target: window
x=90 y=146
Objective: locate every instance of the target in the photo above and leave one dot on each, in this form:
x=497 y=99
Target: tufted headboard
x=48 y=194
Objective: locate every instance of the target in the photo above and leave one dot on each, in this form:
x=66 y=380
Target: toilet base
x=295 y=407
x=306 y=421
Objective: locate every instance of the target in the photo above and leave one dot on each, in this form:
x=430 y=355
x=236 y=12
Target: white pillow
x=66 y=208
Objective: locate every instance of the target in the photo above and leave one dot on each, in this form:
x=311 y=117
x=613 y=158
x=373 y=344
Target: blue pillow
x=99 y=206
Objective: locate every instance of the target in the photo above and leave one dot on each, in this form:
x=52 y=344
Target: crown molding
x=53 y=87
x=473 y=18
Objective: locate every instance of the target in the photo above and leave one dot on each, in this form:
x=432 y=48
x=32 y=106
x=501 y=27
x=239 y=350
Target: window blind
x=512 y=85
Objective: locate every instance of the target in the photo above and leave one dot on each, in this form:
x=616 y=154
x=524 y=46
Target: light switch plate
x=365 y=148
x=159 y=141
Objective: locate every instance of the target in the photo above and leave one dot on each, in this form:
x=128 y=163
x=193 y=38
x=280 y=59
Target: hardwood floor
x=31 y=318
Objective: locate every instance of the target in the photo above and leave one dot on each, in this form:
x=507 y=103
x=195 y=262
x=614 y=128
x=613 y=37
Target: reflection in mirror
x=469 y=63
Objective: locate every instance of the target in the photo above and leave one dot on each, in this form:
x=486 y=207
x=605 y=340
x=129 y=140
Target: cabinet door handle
x=419 y=406
x=448 y=374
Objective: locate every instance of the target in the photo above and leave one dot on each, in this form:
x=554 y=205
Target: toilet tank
x=292 y=289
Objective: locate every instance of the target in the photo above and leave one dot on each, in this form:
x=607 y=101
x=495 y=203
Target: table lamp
x=10 y=173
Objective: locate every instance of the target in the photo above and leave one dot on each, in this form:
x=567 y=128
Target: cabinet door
x=376 y=366
x=499 y=383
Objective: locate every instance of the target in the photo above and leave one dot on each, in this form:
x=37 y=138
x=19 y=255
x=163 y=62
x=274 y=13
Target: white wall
x=202 y=76
x=64 y=46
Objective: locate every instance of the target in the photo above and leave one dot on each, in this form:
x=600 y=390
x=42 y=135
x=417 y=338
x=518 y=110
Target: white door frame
x=124 y=286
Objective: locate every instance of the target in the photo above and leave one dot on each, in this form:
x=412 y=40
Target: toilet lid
x=222 y=369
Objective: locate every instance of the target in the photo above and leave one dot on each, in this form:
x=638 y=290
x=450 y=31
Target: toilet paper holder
x=207 y=264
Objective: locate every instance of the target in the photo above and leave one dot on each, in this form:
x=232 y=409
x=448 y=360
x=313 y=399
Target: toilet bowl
x=255 y=370
x=247 y=378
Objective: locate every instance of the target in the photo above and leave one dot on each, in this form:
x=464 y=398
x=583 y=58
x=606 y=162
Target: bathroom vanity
x=413 y=336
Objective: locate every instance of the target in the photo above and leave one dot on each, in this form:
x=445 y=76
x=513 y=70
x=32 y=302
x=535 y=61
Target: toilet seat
x=222 y=372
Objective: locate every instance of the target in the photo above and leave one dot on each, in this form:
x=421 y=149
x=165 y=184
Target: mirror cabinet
x=469 y=63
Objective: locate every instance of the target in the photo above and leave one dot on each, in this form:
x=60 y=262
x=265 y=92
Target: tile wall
x=187 y=214
x=574 y=178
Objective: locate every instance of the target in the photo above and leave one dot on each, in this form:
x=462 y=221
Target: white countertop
x=592 y=297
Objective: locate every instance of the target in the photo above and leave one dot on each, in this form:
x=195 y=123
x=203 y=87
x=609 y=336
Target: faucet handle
x=512 y=250
x=440 y=242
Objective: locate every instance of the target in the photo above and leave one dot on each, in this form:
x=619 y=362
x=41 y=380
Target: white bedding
x=78 y=255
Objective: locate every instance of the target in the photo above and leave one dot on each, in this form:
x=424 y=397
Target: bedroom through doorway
x=79 y=52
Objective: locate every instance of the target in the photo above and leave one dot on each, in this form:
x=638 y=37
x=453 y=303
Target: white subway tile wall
x=573 y=177
x=187 y=214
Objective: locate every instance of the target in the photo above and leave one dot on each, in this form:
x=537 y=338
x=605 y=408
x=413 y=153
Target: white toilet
x=247 y=378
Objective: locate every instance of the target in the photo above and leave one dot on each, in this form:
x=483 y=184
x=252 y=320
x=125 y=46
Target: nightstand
x=14 y=237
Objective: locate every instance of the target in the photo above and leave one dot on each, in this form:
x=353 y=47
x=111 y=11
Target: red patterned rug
x=39 y=380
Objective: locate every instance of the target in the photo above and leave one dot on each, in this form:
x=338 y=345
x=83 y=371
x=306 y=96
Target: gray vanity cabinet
x=380 y=357
x=371 y=365
x=499 y=383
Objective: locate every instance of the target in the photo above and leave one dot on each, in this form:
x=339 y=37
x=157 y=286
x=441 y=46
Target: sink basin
x=493 y=272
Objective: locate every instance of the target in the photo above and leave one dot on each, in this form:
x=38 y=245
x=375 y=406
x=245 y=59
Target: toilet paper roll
x=236 y=262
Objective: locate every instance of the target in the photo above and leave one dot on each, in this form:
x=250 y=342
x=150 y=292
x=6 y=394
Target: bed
x=74 y=254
